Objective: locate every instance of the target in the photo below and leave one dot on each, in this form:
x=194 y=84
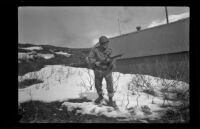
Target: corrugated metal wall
x=171 y=66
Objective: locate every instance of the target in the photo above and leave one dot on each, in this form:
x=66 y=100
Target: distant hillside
x=34 y=57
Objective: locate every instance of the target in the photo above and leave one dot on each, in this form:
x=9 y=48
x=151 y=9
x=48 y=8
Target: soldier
x=100 y=52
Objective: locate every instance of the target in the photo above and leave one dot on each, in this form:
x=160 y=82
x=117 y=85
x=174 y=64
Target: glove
x=104 y=67
x=97 y=63
x=108 y=59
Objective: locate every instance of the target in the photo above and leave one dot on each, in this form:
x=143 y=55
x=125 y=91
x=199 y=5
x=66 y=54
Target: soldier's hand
x=97 y=63
x=108 y=59
x=104 y=67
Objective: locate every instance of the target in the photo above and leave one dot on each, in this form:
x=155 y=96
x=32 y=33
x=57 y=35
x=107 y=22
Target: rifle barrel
x=116 y=56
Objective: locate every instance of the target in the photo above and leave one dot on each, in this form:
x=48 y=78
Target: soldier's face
x=105 y=45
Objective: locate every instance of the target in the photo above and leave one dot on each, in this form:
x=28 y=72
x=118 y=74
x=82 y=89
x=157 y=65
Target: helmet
x=103 y=39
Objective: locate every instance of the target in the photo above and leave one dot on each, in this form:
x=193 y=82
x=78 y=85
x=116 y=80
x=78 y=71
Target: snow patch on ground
x=59 y=83
x=46 y=56
x=32 y=48
x=31 y=55
x=90 y=108
x=63 y=53
x=121 y=113
x=25 y=56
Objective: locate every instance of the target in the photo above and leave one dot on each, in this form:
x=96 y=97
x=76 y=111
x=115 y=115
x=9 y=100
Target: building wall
x=170 y=66
x=164 y=39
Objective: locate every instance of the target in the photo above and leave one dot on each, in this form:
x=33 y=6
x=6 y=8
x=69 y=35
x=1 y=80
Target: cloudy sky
x=80 y=27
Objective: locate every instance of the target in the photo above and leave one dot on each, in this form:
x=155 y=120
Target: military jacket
x=99 y=54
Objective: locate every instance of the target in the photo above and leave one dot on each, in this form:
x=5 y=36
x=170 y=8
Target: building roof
x=163 y=39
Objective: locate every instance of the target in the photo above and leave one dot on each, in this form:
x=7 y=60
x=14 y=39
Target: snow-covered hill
x=34 y=57
x=34 y=54
x=138 y=97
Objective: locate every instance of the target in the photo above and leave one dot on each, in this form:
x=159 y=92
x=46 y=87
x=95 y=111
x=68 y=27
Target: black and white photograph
x=103 y=64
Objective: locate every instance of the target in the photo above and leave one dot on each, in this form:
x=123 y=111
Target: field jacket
x=98 y=54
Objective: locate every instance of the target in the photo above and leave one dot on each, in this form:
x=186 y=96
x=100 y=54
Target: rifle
x=108 y=64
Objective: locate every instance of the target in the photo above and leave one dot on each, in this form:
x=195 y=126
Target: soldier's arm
x=113 y=62
x=91 y=57
x=108 y=54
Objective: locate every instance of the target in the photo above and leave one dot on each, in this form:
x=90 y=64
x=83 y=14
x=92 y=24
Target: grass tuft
x=27 y=82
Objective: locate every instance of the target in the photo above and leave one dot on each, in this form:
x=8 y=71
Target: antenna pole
x=119 y=26
x=166 y=12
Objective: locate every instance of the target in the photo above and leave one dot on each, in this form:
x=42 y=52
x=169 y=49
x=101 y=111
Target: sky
x=80 y=27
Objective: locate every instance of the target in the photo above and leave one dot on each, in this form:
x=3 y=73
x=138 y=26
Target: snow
x=61 y=83
x=22 y=55
x=90 y=108
x=32 y=48
x=63 y=53
x=31 y=55
x=46 y=56
x=56 y=85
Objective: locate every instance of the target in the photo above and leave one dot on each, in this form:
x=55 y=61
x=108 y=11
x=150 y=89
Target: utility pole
x=166 y=12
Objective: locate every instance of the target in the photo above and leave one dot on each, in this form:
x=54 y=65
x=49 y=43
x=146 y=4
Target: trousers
x=99 y=75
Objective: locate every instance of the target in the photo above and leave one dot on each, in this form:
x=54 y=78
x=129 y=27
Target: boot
x=99 y=99
x=111 y=102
